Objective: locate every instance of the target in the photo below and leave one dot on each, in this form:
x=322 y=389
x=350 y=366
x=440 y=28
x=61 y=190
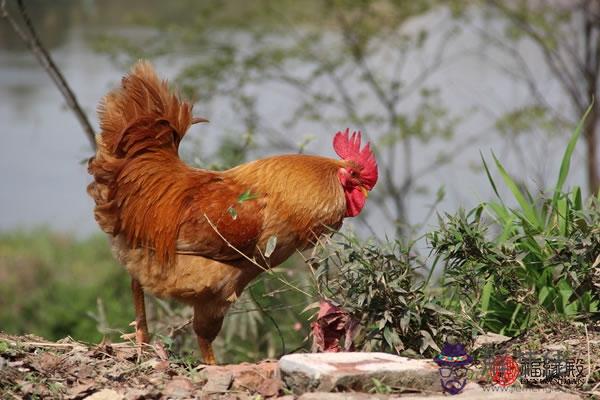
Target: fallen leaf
x=26 y=387
x=162 y=365
x=47 y=362
x=105 y=394
x=84 y=371
x=151 y=363
x=125 y=353
x=79 y=391
x=160 y=351
x=332 y=324
x=179 y=387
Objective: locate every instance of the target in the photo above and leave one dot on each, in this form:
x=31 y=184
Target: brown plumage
x=187 y=233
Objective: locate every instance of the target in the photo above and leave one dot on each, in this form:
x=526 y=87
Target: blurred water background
x=43 y=149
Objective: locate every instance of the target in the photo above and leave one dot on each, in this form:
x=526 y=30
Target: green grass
x=512 y=267
x=55 y=286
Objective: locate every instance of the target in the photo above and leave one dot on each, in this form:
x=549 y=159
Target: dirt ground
x=33 y=368
x=575 y=345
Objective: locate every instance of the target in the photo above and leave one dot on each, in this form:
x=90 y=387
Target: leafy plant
x=514 y=266
x=379 y=285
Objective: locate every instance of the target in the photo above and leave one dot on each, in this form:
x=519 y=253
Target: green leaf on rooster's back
x=271 y=244
x=247 y=195
x=232 y=212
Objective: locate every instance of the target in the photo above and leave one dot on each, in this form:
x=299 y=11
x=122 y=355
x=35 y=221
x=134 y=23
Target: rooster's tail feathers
x=140 y=116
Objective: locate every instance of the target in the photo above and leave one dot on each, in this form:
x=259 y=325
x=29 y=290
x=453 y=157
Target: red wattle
x=355 y=201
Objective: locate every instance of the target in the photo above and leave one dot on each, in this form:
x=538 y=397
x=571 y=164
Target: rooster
x=201 y=236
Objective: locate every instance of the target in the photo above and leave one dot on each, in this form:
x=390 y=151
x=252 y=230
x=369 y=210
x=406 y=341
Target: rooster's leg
x=141 y=327
x=207 y=352
x=206 y=328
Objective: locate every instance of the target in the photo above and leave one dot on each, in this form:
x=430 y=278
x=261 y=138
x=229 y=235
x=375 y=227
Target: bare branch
x=555 y=62
x=31 y=39
x=527 y=75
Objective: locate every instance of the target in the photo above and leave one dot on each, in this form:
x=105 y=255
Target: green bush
x=512 y=267
x=379 y=285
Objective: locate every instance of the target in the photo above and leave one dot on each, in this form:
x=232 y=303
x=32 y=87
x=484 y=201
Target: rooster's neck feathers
x=149 y=198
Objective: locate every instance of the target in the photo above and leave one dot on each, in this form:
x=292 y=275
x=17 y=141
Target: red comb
x=348 y=148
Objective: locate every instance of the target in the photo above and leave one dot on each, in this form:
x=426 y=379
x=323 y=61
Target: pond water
x=42 y=148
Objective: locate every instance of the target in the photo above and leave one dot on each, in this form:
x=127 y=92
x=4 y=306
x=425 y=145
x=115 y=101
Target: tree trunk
x=591 y=66
x=591 y=142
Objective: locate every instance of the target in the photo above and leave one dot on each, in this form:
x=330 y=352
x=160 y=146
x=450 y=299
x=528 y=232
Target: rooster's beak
x=364 y=191
x=197 y=120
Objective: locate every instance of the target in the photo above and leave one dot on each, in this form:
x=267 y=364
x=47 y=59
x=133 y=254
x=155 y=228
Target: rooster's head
x=359 y=173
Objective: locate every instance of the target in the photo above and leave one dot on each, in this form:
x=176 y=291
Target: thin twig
x=180 y=327
x=251 y=260
x=30 y=38
x=266 y=314
x=45 y=344
x=589 y=357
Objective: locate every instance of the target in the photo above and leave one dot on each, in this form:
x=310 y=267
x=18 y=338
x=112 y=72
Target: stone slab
x=326 y=372
x=472 y=392
x=489 y=338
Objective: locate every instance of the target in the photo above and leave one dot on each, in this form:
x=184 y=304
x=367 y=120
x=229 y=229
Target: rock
x=105 y=394
x=471 y=392
x=345 y=396
x=355 y=371
x=474 y=391
x=255 y=380
x=489 y=338
x=259 y=378
x=269 y=387
x=179 y=387
x=217 y=382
